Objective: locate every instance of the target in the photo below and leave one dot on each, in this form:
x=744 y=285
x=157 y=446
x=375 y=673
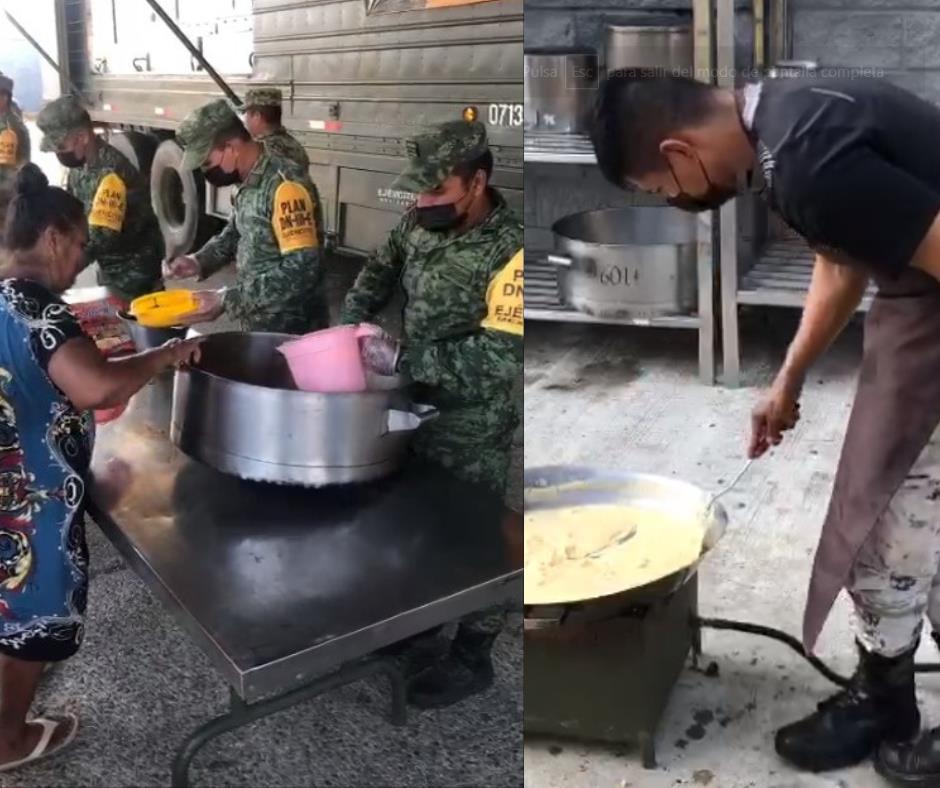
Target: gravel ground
x=140 y=685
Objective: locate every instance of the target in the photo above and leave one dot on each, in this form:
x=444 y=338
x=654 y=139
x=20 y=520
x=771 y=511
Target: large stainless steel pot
x=627 y=262
x=238 y=411
x=559 y=89
x=556 y=487
x=145 y=338
x=660 y=48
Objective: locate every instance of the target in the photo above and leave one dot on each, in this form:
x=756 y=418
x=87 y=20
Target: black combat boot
x=467 y=670
x=419 y=652
x=914 y=763
x=879 y=705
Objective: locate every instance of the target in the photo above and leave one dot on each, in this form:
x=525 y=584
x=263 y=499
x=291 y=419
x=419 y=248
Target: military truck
x=359 y=77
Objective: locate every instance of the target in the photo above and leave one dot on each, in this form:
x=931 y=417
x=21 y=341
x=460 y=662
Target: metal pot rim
x=601 y=244
x=652 y=28
x=294 y=393
x=625 y=209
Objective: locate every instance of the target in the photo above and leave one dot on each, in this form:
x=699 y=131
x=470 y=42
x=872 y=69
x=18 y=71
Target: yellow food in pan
x=164 y=309
x=586 y=552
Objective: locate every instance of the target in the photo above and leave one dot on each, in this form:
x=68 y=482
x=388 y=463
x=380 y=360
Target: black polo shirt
x=853 y=165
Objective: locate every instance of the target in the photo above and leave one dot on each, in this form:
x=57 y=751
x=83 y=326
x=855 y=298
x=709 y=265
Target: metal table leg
x=241 y=714
x=647 y=742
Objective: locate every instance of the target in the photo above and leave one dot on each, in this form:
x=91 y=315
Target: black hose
x=793 y=643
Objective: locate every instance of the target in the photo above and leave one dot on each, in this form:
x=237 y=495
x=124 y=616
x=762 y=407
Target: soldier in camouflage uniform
x=457 y=257
x=274 y=233
x=123 y=235
x=263 y=120
x=14 y=144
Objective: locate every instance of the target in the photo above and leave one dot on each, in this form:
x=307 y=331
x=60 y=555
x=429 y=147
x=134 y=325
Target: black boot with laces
x=879 y=705
x=915 y=763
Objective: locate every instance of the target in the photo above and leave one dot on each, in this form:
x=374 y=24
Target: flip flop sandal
x=42 y=750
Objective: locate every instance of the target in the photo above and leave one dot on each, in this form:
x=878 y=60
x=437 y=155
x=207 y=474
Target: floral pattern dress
x=45 y=452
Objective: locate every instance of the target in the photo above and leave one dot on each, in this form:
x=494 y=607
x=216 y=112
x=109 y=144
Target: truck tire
x=139 y=148
x=177 y=196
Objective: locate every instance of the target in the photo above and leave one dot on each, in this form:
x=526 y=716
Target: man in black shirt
x=853 y=165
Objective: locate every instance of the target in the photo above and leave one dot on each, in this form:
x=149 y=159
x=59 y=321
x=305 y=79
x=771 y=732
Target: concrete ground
x=140 y=686
x=630 y=398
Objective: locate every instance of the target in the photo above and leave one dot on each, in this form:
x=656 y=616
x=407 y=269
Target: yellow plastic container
x=164 y=309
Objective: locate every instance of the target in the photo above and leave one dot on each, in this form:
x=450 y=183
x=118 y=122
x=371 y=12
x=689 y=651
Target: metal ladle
x=728 y=487
x=625 y=536
x=620 y=539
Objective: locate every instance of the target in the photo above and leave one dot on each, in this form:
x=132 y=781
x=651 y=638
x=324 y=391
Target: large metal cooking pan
x=239 y=411
x=555 y=487
x=559 y=88
x=627 y=262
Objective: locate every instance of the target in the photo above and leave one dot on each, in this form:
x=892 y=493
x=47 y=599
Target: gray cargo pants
x=896 y=577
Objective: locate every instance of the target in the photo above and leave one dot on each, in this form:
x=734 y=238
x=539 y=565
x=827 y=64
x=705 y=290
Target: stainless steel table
x=291 y=591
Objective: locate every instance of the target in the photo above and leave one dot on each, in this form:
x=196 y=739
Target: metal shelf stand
x=542 y=300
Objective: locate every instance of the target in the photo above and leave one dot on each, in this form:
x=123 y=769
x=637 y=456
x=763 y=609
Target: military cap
x=263 y=97
x=200 y=128
x=432 y=157
x=58 y=118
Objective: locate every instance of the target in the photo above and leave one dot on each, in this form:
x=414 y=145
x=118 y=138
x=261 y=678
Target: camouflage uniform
x=467 y=371
x=280 y=142
x=459 y=361
x=124 y=238
x=279 y=277
x=14 y=150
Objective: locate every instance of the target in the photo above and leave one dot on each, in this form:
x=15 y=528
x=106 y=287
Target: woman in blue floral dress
x=51 y=376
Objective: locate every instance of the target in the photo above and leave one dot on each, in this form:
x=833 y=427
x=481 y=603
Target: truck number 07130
x=505 y=114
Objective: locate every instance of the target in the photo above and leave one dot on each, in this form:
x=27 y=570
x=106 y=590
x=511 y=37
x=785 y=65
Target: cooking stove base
x=610 y=680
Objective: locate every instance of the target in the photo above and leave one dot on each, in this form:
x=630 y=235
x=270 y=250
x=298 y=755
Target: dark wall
x=899 y=39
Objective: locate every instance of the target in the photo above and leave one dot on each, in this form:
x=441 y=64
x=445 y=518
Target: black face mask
x=714 y=197
x=440 y=218
x=219 y=177
x=69 y=159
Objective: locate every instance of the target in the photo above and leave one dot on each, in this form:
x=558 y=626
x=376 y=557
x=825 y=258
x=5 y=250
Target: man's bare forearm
x=834 y=294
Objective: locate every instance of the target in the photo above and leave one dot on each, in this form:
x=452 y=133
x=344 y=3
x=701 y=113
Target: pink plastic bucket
x=329 y=361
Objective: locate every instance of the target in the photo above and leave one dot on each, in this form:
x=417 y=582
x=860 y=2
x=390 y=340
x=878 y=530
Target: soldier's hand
x=380 y=354
x=184 y=267
x=210 y=304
